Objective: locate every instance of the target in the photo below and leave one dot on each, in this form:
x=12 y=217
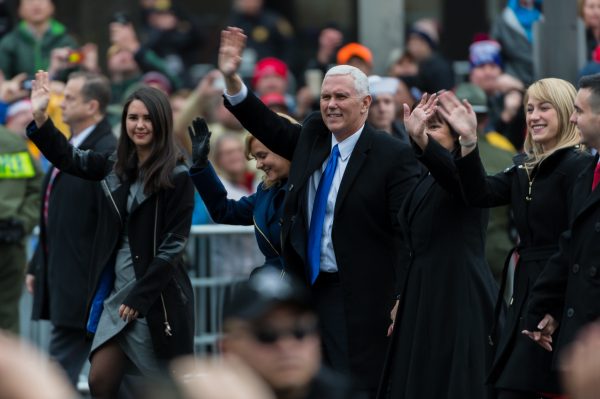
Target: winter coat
x=158 y=226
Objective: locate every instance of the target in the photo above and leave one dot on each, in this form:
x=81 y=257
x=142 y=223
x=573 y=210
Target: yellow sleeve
x=55 y=113
x=498 y=140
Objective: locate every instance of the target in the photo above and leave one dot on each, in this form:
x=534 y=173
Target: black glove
x=200 y=136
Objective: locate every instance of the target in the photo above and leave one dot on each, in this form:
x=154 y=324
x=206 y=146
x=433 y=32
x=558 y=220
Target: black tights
x=108 y=366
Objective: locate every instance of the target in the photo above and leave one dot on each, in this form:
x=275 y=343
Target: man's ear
x=93 y=107
x=366 y=104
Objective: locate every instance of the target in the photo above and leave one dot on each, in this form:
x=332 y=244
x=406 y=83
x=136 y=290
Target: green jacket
x=20 y=51
x=147 y=61
x=20 y=181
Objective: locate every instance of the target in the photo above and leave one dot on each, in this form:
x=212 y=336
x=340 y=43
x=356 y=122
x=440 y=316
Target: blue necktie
x=318 y=215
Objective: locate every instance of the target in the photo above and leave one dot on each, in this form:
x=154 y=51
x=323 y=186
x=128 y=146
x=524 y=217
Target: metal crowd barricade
x=210 y=291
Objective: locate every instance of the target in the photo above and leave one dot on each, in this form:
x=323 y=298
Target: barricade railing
x=211 y=287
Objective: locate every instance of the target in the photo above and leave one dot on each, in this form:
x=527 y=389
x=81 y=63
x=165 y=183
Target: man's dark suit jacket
x=569 y=286
x=62 y=258
x=368 y=250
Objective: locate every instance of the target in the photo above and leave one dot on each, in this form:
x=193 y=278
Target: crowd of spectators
x=163 y=52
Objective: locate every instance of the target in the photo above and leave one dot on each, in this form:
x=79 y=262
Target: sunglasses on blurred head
x=269 y=336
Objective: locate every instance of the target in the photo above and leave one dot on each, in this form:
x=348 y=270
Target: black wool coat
x=366 y=236
x=569 y=287
x=541 y=202
x=158 y=227
x=439 y=345
x=63 y=258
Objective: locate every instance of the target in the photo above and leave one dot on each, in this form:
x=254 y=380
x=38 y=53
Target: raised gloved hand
x=200 y=136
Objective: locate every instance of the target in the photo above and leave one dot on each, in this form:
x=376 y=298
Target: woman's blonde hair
x=248 y=146
x=561 y=95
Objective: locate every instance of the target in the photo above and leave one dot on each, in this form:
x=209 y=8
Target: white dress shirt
x=328 y=261
x=80 y=138
x=238 y=97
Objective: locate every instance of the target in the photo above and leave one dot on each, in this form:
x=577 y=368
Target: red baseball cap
x=269 y=65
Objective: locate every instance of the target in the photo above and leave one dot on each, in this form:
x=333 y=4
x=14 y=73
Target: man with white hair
x=340 y=232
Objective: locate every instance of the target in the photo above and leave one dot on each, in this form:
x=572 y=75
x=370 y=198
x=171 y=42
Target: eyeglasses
x=269 y=336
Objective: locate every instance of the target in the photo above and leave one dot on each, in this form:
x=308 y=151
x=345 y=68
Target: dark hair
x=438 y=118
x=592 y=82
x=156 y=170
x=95 y=87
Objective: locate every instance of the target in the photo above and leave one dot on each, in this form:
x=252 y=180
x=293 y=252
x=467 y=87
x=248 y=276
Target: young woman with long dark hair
x=140 y=305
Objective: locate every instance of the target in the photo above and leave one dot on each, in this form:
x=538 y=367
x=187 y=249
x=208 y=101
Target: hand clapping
x=459 y=115
x=416 y=120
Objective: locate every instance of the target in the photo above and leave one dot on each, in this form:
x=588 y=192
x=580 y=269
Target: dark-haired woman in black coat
x=438 y=347
x=142 y=308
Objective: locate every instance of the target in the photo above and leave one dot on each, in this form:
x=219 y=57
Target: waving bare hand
x=459 y=115
x=416 y=120
x=233 y=42
x=40 y=97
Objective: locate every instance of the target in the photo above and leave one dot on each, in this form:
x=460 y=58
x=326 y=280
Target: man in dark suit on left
x=58 y=274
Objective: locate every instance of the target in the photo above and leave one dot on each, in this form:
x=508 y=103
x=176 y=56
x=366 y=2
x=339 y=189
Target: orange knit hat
x=354 y=50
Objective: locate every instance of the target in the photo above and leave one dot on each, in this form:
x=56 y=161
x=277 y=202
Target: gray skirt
x=133 y=336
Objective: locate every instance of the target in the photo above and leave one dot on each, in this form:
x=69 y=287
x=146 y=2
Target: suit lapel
x=357 y=158
x=583 y=196
x=96 y=134
x=321 y=148
x=319 y=151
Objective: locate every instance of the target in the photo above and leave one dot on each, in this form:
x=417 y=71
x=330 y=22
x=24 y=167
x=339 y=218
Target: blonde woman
x=537 y=187
x=262 y=209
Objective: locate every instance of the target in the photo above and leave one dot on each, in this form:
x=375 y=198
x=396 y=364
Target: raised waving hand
x=461 y=117
x=233 y=42
x=200 y=137
x=40 y=97
x=415 y=121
